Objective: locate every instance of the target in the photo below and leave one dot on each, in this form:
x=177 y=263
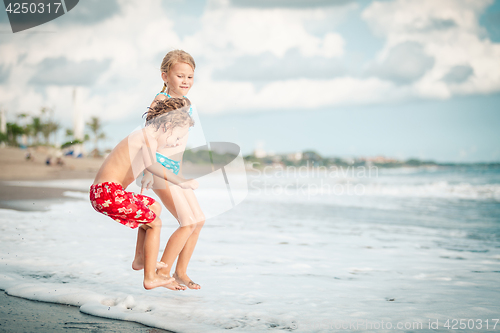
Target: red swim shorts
x=128 y=208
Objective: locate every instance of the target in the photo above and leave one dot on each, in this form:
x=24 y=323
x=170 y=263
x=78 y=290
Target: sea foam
x=272 y=263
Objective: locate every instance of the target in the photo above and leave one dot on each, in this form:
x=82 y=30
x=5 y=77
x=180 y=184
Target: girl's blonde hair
x=174 y=57
x=172 y=110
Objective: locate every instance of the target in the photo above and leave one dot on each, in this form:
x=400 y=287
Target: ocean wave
x=439 y=189
x=354 y=188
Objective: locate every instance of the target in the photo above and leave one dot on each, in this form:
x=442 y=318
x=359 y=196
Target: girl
x=177 y=73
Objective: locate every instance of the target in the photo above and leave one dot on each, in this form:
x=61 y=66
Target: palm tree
x=47 y=129
x=49 y=126
x=23 y=122
x=36 y=128
x=22 y=118
x=95 y=126
x=13 y=131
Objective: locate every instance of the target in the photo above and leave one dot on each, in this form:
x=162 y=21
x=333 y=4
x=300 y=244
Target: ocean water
x=414 y=249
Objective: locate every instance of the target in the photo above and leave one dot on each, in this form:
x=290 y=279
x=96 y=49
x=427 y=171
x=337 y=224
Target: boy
x=167 y=120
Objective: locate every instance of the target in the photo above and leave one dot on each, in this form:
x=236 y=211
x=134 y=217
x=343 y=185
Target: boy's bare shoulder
x=137 y=134
x=159 y=97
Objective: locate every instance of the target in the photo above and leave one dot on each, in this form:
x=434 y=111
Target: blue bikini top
x=168 y=163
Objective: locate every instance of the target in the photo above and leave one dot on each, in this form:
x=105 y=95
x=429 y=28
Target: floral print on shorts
x=127 y=208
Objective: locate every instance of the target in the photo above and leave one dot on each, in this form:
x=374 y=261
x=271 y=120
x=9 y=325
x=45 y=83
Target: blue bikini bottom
x=168 y=163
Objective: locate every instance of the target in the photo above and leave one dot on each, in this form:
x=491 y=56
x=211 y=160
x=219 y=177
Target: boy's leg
x=151 y=248
x=138 y=262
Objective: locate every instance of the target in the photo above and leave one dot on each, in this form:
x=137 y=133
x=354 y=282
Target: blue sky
x=399 y=78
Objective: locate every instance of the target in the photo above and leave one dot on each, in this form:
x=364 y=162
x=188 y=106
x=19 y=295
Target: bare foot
x=138 y=264
x=174 y=285
x=157 y=281
x=185 y=280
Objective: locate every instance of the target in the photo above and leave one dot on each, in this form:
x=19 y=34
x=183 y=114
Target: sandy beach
x=21 y=315
x=15 y=169
x=15 y=166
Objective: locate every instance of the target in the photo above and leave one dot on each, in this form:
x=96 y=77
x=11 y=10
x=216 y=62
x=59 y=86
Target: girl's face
x=179 y=79
x=173 y=137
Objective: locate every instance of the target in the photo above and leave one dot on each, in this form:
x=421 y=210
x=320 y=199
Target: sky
x=398 y=78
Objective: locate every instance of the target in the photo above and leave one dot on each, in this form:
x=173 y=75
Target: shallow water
x=415 y=246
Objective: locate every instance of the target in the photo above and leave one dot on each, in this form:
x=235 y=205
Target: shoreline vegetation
x=34 y=131
x=311 y=158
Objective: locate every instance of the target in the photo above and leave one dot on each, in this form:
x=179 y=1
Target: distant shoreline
x=313 y=158
x=310 y=165
x=15 y=166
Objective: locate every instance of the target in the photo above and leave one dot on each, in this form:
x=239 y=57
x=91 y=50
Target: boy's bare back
x=129 y=158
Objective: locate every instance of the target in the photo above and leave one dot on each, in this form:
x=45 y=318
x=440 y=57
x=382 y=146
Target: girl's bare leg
x=175 y=201
x=180 y=208
x=165 y=195
x=175 y=245
x=180 y=274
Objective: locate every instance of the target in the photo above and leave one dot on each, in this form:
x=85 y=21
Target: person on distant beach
x=165 y=121
x=177 y=73
x=29 y=155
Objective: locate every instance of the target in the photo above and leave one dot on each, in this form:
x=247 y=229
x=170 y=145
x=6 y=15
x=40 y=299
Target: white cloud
x=233 y=31
x=333 y=45
x=425 y=42
x=130 y=42
x=135 y=40
x=133 y=43
x=449 y=31
x=307 y=94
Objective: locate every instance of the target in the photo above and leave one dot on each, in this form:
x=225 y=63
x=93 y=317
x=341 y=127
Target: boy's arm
x=147 y=180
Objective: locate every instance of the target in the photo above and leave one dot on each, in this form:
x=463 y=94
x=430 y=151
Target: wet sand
x=21 y=315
